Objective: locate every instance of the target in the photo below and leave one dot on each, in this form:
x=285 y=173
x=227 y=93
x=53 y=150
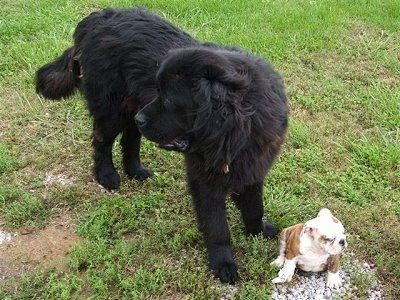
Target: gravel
x=4 y=237
x=307 y=286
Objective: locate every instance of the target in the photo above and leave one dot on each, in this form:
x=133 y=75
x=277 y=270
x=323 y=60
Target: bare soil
x=45 y=248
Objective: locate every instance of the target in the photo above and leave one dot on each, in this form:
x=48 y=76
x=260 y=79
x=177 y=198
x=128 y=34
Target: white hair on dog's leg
x=333 y=280
x=286 y=273
x=280 y=260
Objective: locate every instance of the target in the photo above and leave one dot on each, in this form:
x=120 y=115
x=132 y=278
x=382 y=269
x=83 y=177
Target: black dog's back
x=120 y=52
x=115 y=51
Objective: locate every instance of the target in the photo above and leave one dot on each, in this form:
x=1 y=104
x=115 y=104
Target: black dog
x=226 y=110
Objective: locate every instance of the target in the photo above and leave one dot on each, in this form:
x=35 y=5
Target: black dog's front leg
x=210 y=208
x=250 y=203
x=130 y=143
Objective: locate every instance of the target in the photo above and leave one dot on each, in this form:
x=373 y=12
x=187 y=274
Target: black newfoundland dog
x=225 y=109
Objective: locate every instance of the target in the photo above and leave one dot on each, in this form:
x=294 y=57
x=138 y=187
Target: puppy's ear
x=311 y=231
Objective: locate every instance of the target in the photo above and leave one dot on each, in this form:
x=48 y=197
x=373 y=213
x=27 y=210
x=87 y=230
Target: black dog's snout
x=140 y=119
x=342 y=242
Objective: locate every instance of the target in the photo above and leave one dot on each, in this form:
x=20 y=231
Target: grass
x=340 y=63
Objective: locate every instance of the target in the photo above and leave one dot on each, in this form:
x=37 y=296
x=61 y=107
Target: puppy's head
x=327 y=232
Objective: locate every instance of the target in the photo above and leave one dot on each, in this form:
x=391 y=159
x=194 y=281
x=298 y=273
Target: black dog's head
x=200 y=107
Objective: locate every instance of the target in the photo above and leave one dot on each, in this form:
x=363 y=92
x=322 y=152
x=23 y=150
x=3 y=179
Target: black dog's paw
x=109 y=180
x=269 y=230
x=141 y=173
x=227 y=272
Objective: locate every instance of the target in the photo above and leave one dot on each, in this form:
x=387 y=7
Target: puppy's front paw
x=282 y=278
x=333 y=280
x=278 y=280
x=227 y=272
x=286 y=273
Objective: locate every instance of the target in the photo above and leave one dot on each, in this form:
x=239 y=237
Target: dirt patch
x=45 y=248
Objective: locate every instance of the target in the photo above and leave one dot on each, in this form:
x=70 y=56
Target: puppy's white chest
x=311 y=258
x=312 y=262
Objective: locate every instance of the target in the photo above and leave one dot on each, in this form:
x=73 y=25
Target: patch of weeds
x=144 y=282
x=256 y=252
x=180 y=240
x=120 y=269
x=7 y=161
x=381 y=152
x=251 y=290
x=113 y=217
x=351 y=185
x=46 y=284
x=363 y=279
x=20 y=208
x=199 y=284
x=298 y=134
x=380 y=106
x=71 y=196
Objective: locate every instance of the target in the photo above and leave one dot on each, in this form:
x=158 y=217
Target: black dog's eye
x=167 y=103
x=177 y=76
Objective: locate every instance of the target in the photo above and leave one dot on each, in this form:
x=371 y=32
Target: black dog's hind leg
x=130 y=143
x=250 y=203
x=211 y=216
x=105 y=130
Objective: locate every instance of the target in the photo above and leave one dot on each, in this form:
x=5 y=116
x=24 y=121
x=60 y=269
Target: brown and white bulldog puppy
x=313 y=246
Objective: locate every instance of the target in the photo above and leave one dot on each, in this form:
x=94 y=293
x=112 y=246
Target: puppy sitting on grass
x=313 y=246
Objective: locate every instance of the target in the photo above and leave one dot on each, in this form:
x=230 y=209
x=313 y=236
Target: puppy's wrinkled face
x=327 y=232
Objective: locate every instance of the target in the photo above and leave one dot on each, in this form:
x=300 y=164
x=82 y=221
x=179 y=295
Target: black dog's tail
x=60 y=78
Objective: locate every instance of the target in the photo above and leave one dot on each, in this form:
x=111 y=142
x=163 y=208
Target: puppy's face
x=327 y=232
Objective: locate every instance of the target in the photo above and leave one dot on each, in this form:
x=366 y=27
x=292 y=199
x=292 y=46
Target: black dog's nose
x=140 y=119
x=342 y=242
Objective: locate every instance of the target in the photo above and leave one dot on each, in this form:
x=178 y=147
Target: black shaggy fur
x=113 y=62
x=225 y=109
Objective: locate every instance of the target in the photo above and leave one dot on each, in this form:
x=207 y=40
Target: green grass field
x=340 y=63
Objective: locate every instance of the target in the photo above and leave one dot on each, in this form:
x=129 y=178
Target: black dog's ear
x=230 y=72
x=222 y=118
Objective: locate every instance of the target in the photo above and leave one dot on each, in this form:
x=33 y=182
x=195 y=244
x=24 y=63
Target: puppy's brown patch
x=292 y=236
x=324 y=267
x=334 y=263
x=323 y=239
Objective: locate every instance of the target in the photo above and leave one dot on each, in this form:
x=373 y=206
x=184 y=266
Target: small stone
x=366 y=266
x=328 y=293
